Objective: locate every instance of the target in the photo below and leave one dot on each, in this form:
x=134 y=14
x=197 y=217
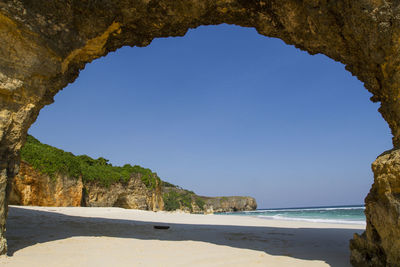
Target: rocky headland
x=51 y=177
x=176 y=198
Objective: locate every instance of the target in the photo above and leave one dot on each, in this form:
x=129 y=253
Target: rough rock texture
x=229 y=204
x=44 y=45
x=379 y=245
x=132 y=195
x=188 y=201
x=31 y=188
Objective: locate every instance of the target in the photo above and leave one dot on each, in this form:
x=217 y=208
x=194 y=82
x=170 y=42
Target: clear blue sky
x=225 y=111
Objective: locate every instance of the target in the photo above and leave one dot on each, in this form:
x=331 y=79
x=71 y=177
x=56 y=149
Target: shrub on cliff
x=200 y=203
x=51 y=161
x=171 y=201
x=181 y=198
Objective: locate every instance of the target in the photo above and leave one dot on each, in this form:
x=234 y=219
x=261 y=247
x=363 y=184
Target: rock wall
x=46 y=43
x=131 y=195
x=379 y=245
x=229 y=204
x=32 y=188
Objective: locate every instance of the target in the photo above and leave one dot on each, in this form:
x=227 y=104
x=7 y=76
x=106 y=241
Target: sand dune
x=53 y=236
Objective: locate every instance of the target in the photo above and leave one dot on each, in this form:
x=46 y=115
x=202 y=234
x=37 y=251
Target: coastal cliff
x=131 y=195
x=224 y=204
x=31 y=188
x=49 y=176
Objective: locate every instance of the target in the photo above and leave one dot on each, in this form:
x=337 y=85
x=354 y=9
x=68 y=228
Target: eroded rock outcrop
x=379 y=245
x=46 y=43
x=31 y=188
x=131 y=195
x=229 y=204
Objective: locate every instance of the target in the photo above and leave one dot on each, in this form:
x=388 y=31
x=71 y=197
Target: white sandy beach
x=54 y=236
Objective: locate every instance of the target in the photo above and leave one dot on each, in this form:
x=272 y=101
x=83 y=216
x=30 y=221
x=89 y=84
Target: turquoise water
x=333 y=214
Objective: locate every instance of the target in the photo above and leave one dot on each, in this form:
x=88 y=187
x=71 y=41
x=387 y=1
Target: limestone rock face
x=132 y=195
x=44 y=44
x=229 y=204
x=31 y=188
x=379 y=245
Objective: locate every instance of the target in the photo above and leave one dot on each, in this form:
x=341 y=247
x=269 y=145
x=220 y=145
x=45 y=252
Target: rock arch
x=44 y=44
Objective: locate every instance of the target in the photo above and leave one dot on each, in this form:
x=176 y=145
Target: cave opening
x=46 y=44
x=225 y=111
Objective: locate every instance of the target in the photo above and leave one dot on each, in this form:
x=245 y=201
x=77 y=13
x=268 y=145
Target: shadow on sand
x=26 y=227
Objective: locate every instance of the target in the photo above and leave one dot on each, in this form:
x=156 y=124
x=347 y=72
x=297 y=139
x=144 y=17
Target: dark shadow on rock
x=26 y=227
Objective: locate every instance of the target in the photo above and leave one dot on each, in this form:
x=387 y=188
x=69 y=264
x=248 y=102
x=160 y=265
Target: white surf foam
x=301 y=209
x=279 y=217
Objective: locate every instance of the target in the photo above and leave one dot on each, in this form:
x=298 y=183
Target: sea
x=353 y=214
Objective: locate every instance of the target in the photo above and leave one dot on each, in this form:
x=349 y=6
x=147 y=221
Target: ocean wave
x=279 y=217
x=306 y=209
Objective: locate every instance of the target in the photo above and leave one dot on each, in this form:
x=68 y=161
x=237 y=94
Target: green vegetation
x=200 y=202
x=50 y=160
x=176 y=199
x=166 y=184
x=171 y=201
